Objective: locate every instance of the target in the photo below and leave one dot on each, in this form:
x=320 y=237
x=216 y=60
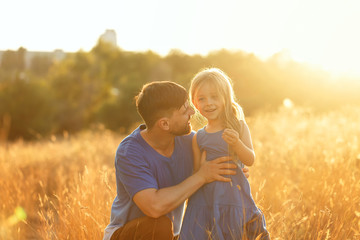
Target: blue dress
x=219 y=210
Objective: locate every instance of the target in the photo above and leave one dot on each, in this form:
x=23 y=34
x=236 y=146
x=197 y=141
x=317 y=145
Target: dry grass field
x=306 y=179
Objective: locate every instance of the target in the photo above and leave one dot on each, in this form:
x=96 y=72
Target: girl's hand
x=231 y=137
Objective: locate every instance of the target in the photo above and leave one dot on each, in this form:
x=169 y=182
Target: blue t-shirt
x=138 y=167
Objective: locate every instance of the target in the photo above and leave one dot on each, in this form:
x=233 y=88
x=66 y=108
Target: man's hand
x=215 y=169
x=246 y=172
x=157 y=202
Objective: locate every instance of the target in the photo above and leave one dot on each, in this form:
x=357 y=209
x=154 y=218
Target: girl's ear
x=164 y=123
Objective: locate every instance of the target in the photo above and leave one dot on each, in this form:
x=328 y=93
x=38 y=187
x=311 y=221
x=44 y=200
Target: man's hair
x=159 y=99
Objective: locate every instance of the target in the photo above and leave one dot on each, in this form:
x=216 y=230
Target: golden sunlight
x=321 y=33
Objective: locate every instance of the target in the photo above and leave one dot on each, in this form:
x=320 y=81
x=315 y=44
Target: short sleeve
x=133 y=170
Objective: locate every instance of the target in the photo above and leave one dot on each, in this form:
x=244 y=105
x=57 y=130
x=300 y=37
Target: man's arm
x=158 y=202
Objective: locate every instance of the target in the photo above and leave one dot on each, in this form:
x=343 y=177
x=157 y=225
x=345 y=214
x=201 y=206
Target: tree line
x=98 y=87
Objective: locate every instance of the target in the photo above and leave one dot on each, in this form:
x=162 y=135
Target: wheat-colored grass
x=306 y=179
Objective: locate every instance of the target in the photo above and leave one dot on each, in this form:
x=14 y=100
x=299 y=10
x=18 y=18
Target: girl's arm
x=243 y=147
x=196 y=154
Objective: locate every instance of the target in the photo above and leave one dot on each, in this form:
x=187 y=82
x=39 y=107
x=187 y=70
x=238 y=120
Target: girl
x=221 y=210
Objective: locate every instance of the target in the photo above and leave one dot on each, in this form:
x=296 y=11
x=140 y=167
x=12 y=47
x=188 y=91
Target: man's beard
x=185 y=130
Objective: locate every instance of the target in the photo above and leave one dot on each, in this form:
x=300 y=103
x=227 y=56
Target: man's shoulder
x=130 y=141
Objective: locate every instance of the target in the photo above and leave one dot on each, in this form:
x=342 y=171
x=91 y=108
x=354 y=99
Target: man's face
x=180 y=120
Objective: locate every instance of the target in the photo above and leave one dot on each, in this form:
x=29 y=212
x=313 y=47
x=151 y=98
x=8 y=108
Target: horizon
x=320 y=33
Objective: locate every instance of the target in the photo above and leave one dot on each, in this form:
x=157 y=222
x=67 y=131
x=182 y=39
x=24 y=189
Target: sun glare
x=323 y=33
x=342 y=61
x=288 y=103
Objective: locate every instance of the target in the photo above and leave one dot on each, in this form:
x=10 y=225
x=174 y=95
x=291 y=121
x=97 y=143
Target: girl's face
x=208 y=101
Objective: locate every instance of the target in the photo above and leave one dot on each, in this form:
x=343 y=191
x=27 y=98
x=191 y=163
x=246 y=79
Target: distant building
x=109 y=36
x=55 y=56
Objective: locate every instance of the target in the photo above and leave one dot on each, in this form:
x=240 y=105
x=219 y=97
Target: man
x=154 y=167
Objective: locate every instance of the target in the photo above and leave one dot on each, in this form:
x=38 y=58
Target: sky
x=323 y=33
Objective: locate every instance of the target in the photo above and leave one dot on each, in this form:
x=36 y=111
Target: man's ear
x=164 y=123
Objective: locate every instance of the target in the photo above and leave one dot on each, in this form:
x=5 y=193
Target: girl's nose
x=209 y=102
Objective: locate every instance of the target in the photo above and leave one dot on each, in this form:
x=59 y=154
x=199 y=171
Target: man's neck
x=161 y=142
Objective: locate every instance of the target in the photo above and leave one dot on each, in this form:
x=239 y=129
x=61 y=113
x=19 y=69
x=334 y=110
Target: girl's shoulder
x=201 y=131
x=243 y=127
x=200 y=135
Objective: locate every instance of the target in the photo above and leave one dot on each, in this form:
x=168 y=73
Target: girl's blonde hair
x=233 y=113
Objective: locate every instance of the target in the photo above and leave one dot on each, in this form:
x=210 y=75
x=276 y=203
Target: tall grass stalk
x=306 y=179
